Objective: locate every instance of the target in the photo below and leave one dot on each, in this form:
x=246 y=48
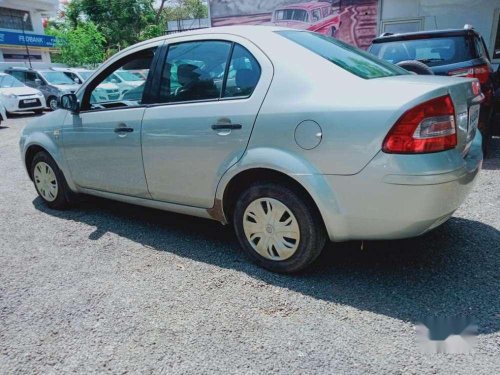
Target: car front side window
x=107 y=91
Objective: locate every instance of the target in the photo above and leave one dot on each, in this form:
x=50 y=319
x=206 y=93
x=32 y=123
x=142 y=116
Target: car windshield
x=9 y=81
x=291 y=15
x=127 y=76
x=86 y=74
x=57 y=78
x=350 y=58
x=431 y=51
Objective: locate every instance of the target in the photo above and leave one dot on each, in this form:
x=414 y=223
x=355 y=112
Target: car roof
x=425 y=35
x=22 y=69
x=251 y=32
x=305 y=6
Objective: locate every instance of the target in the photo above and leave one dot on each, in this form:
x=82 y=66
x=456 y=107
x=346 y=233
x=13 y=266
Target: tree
x=83 y=45
x=119 y=21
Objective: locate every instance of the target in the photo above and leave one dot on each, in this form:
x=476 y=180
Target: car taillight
x=476 y=88
x=481 y=72
x=428 y=127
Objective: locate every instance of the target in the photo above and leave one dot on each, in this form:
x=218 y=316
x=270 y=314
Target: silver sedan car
x=292 y=137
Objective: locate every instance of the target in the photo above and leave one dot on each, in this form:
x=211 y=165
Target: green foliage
x=121 y=22
x=95 y=29
x=83 y=45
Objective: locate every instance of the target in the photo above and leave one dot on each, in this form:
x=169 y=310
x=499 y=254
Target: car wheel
x=277 y=228
x=52 y=102
x=50 y=182
x=485 y=128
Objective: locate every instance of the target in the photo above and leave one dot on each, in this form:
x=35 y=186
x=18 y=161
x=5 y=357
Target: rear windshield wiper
x=433 y=59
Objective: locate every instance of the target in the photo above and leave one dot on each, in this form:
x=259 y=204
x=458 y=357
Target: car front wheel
x=278 y=228
x=50 y=182
x=52 y=102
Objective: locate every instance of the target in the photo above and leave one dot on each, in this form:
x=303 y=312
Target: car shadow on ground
x=20 y=115
x=492 y=162
x=451 y=271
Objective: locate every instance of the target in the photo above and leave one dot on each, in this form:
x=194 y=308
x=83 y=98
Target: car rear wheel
x=52 y=102
x=50 y=182
x=277 y=228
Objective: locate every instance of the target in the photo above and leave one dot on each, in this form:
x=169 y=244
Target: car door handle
x=123 y=129
x=226 y=126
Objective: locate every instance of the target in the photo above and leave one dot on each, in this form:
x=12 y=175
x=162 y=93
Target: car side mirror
x=70 y=102
x=77 y=81
x=38 y=81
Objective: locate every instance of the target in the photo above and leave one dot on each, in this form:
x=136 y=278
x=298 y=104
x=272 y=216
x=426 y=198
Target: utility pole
x=25 y=18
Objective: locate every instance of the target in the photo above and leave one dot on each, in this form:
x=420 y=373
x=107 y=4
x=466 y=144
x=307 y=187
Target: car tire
x=416 y=67
x=49 y=182
x=260 y=232
x=52 y=103
x=487 y=133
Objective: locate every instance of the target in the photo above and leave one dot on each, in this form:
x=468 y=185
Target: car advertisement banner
x=352 y=21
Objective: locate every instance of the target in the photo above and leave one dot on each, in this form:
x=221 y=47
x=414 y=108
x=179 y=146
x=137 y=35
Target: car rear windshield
x=431 y=51
x=350 y=58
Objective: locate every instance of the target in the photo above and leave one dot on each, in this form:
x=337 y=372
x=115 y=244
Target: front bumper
x=397 y=196
x=24 y=103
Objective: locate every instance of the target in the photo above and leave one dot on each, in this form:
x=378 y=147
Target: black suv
x=459 y=53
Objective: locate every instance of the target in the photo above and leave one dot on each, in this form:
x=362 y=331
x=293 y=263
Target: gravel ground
x=113 y=288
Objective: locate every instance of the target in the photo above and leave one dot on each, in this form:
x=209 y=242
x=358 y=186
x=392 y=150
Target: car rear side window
x=194 y=71
x=243 y=74
x=430 y=51
x=350 y=58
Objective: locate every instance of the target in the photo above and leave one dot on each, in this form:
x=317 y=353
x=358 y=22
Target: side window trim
x=226 y=71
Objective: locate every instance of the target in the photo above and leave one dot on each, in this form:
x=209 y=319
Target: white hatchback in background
x=17 y=97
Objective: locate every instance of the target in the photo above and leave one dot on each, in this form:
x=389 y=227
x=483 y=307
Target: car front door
x=102 y=143
x=202 y=121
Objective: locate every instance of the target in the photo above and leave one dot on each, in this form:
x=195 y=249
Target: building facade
x=21 y=31
x=363 y=20
x=420 y=15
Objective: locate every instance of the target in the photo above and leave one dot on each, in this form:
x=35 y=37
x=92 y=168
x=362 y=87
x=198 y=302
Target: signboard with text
x=32 y=40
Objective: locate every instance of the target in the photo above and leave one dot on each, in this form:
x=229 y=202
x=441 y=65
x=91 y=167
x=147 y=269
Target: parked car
x=50 y=82
x=457 y=53
x=3 y=113
x=275 y=151
x=105 y=91
x=15 y=96
x=125 y=81
x=312 y=16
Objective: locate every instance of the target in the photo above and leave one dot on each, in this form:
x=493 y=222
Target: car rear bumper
x=394 y=198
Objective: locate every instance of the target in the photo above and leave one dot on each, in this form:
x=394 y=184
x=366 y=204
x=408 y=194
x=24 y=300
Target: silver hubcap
x=45 y=181
x=53 y=104
x=271 y=229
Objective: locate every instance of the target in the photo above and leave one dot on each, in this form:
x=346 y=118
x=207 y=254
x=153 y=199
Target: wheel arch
x=47 y=145
x=29 y=155
x=240 y=181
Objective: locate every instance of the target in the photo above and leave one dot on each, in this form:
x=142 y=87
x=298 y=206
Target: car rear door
x=201 y=123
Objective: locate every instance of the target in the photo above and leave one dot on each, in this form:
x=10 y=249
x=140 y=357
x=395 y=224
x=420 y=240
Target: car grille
x=23 y=104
